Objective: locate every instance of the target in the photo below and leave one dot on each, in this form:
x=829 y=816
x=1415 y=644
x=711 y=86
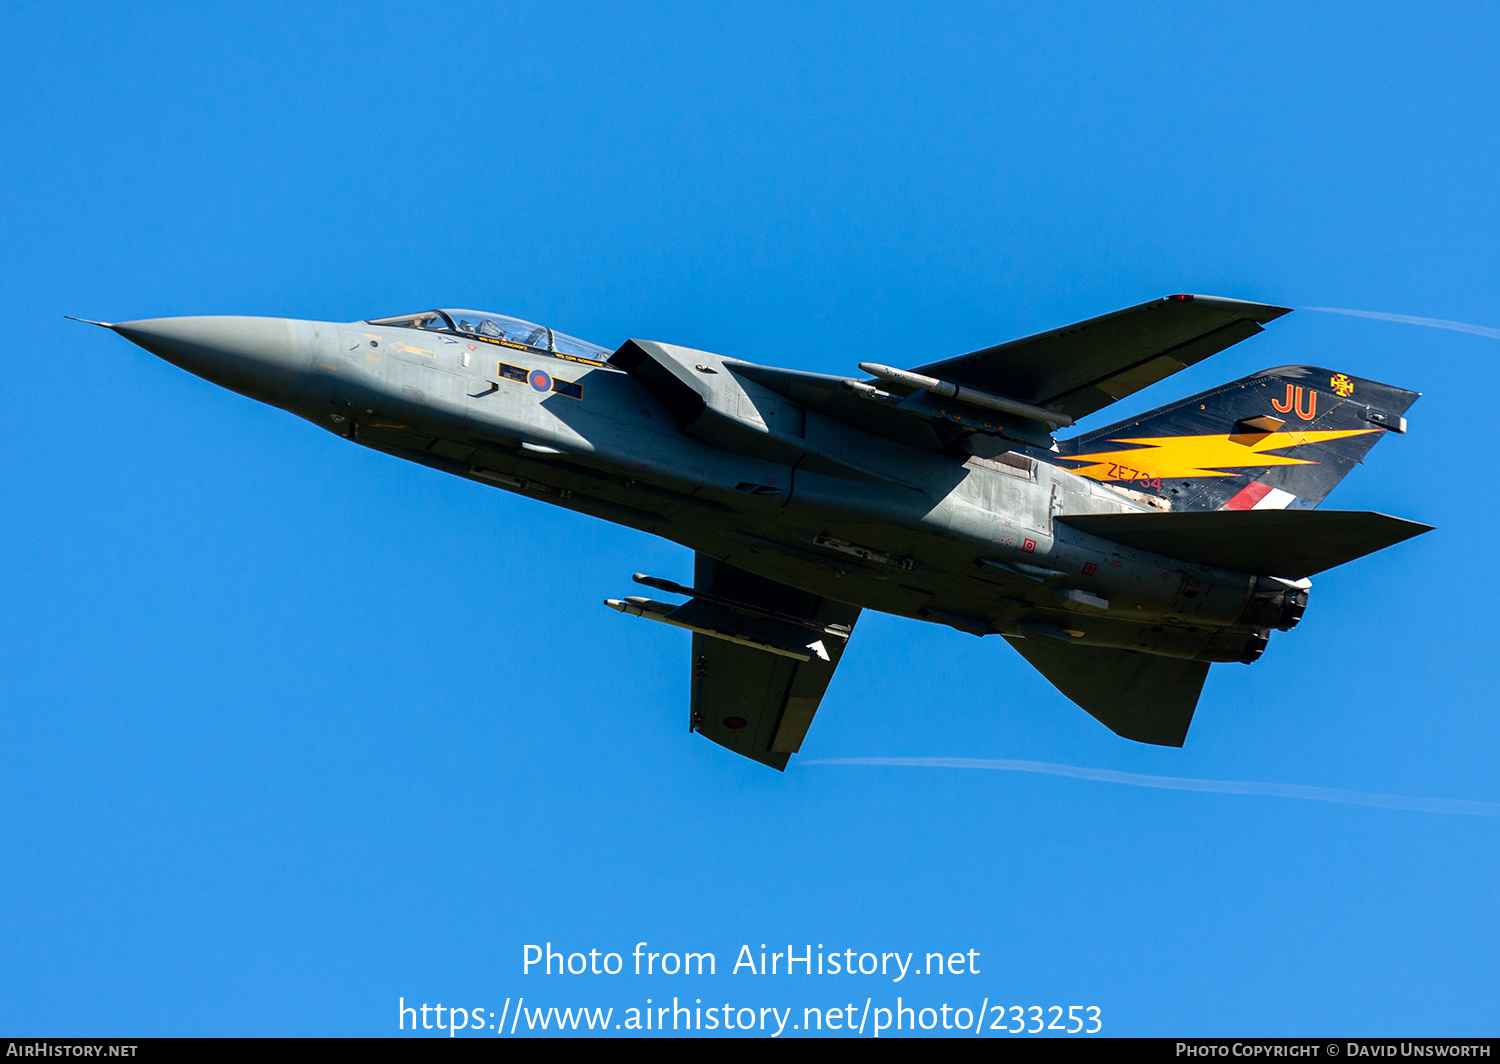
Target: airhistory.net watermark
x=851 y=1018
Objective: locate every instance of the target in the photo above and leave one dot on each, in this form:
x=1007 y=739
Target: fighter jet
x=1120 y=562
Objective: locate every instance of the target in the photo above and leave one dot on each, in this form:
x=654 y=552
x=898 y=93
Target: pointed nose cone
x=264 y=358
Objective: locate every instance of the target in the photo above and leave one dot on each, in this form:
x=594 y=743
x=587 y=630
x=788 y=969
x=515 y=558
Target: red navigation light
x=1182 y=299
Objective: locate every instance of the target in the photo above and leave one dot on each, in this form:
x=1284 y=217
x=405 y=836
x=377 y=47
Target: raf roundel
x=540 y=380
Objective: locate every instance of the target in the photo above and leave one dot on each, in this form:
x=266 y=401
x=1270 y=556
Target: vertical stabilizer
x=1279 y=439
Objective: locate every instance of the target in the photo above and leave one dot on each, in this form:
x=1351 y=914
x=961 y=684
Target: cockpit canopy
x=499 y=329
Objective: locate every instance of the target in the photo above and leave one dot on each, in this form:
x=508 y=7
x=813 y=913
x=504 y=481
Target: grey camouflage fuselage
x=722 y=457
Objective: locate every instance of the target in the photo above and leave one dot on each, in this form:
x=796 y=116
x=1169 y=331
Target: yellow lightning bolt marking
x=1201 y=456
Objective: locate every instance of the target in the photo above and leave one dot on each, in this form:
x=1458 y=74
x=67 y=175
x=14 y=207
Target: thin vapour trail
x=1407 y=319
x=1179 y=783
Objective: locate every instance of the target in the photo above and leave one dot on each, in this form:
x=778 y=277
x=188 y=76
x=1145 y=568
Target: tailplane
x=1279 y=439
x=1140 y=697
x=1287 y=544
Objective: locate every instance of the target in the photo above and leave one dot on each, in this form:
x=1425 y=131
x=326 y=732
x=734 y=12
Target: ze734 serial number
x=1145 y=480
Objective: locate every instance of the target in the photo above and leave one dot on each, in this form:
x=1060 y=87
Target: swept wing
x=1084 y=367
x=757 y=703
x=1074 y=371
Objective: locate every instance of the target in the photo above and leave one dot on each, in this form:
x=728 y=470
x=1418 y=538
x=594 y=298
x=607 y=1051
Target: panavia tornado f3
x=1120 y=562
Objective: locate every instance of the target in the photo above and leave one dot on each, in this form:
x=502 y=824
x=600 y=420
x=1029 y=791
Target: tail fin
x=1279 y=439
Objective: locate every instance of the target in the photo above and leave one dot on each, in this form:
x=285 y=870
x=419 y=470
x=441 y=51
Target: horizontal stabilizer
x=1140 y=697
x=1286 y=543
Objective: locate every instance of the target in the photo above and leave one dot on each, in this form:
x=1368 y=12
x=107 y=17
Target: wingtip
x=90 y=321
x=1261 y=313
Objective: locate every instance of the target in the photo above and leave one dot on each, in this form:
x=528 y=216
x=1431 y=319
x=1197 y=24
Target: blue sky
x=292 y=729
